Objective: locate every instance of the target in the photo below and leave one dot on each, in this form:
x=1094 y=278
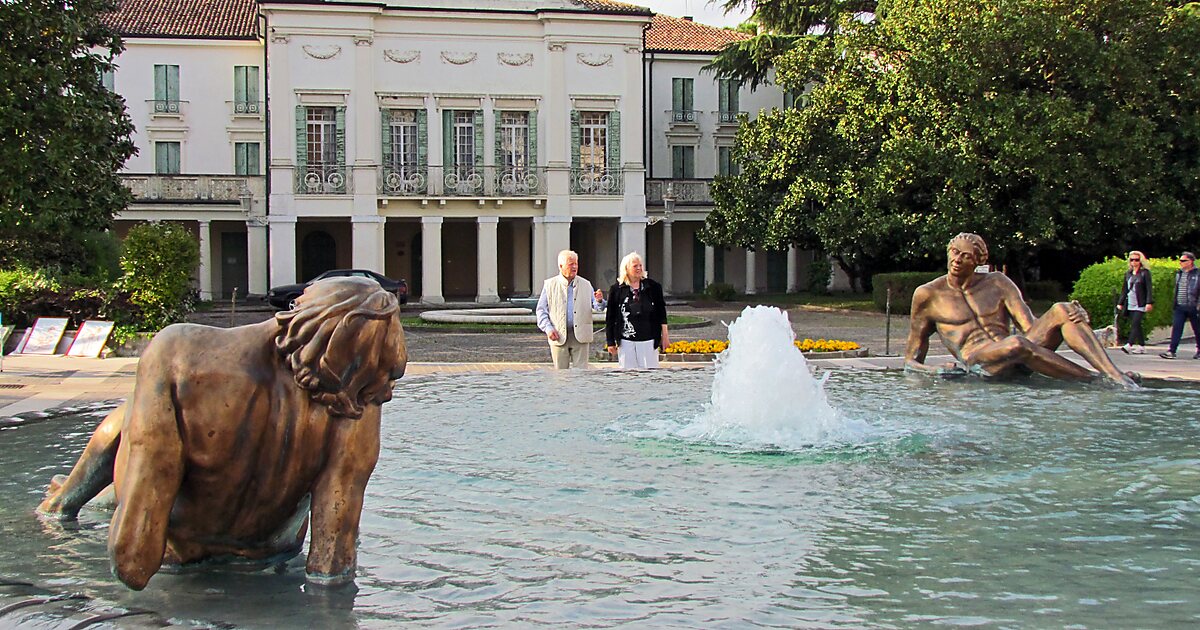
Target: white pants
x=633 y=355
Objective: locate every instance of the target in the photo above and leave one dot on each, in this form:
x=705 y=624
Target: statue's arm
x=1015 y=303
x=149 y=470
x=337 y=498
x=921 y=327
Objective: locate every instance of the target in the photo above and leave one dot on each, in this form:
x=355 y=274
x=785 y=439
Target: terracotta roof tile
x=677 y=34
x=217 y=19
x=611 y=5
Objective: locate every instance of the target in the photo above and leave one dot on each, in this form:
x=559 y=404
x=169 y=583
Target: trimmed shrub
x=159 y=260
x=819 y=272
x=720 y=292
x=902 y=284
x=1098 y=286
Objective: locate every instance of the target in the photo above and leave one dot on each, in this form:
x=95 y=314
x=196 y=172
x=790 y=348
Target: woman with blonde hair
x=636 y=321
x=1135 y=300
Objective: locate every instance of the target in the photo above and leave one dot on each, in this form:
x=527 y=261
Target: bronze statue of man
x=234 y=437
x=972 y=312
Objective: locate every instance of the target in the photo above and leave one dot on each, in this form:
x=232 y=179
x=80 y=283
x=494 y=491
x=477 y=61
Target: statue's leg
x=91 y=474
x=1000 y=356
x=1059 y=324
x=337 y=499
x=149 y=469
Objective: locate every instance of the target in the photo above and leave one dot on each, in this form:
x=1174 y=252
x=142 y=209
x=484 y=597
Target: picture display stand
x=5 y=331
x=90 y=338
x=43 y=337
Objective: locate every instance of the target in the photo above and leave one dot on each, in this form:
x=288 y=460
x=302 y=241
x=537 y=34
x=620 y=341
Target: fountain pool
x=1029 y=504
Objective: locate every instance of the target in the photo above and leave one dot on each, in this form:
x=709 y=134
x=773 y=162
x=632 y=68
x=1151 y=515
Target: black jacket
x=1193 y=279
x=646 y=314
x=1142 y=293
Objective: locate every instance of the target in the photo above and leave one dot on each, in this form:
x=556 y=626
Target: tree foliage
x=63 y=136
x=159 y=260
x=1061 y=124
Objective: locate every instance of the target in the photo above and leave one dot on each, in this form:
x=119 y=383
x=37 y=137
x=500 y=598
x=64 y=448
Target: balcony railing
x=172 y=107
x=194 y=188
x=322 y=179
x=246 y=108
x=683 y=115
x=687 y=192
x=461 y=181
x=586 y=181
x=728 y=117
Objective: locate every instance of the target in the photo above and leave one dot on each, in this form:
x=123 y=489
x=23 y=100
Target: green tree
x=159 y=260
x=1039 y=124
x=63 y=136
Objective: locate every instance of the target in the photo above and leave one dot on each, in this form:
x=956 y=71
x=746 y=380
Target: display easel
x=5 y=331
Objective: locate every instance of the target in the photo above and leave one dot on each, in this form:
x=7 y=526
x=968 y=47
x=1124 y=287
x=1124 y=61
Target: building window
x=463 y=158
x=727 y=97
x=166 y=158
x=593 y=141
x=514 y=140
x=321 y=136
x=725 y=163
x=245 y=90
x=107 y=79
x=166 y=89
x=402 y=130
x=245 y=158
x=683 y=162
x=681 y=100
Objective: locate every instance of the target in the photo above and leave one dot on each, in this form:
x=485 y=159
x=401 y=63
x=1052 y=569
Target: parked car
x=281 y=297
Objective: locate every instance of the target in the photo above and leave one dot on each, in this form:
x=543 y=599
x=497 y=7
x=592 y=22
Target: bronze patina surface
x=234 y=439
x=973 y=313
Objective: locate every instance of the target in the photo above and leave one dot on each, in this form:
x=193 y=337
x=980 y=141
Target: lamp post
x=668 y=208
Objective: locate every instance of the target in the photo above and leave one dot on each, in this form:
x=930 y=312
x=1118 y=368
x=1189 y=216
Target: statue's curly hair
x=343 y=342
x=977 y=242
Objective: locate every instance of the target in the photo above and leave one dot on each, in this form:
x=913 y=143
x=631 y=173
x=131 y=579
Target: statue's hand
x=951 y=369
x=1076 y=313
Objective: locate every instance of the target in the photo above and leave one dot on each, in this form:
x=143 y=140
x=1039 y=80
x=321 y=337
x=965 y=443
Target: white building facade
x=459 y=145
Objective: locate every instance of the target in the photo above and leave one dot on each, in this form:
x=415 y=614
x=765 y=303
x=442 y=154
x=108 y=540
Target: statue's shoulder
x=933 y=286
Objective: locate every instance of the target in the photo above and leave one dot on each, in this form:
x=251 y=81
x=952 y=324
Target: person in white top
x=564 y=313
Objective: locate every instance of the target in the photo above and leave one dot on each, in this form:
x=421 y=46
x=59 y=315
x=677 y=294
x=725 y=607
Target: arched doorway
x=318 y=254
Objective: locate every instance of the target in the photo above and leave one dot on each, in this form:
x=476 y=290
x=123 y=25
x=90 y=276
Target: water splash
x=764 y=393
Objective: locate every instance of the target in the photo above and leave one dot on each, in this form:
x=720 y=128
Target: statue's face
x=961 y=258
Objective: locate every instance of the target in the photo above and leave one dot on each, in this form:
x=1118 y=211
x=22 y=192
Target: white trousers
x=634 y=355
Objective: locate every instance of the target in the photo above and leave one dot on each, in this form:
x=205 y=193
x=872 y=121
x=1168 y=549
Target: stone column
x=204 y=273
x=710 y=266
x=538 y=272
x=488 y=277
x=632 y=237
x=793 y=275
x=668 y=255
x=367 y=242
x=282 y=243
x=558 y=238
x=431 y=260
x=751 y=274
x=256 y=256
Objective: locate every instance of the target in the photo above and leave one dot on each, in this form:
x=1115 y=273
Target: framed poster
x=44 y=335
x=24 y=339
x=89 y=339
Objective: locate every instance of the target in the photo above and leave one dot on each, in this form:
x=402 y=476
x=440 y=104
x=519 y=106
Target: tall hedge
x=159 y=260
x=1098 y=286
x=902 y=284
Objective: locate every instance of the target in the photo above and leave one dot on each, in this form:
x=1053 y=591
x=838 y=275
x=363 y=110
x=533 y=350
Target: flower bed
x=714 y=346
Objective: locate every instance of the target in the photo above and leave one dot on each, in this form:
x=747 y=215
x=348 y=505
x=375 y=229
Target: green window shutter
x=252 y=84
x=477 y=125
x=301 y=138
x=239 y=84
x=448 y=138
x=613 y=149
x=160 y=157
x=422 y=138
x=239 y=158
x=160 y=83
x=722 y=96
x=689 y=162
x=385 y=136
x=172 y=83
x=677 y=162
x=687 y=94
x=677 y=94
x=533 y=139
x=734 y=106
x=498 y=137
x=575 y=138
x=339 y=118
x=722 y=160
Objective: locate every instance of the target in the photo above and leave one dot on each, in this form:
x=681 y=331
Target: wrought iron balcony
x=194 y=188
x=461 y=181
x=586 y=181
x=246 y=108
x=683 y=115
x=687 y=192
x=169 y=107
x=322 y=179
x=728 y=117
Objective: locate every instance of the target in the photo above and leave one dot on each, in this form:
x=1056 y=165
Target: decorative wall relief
x=281 y=38
x=515 y=59
x=594 y=60
x=402 y=56
x=458 y=58
x=322 y=52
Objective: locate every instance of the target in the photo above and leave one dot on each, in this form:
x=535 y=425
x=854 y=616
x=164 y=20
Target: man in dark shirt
x=1187 y=304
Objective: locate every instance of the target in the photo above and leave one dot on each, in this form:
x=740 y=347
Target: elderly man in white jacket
x=564 y=313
